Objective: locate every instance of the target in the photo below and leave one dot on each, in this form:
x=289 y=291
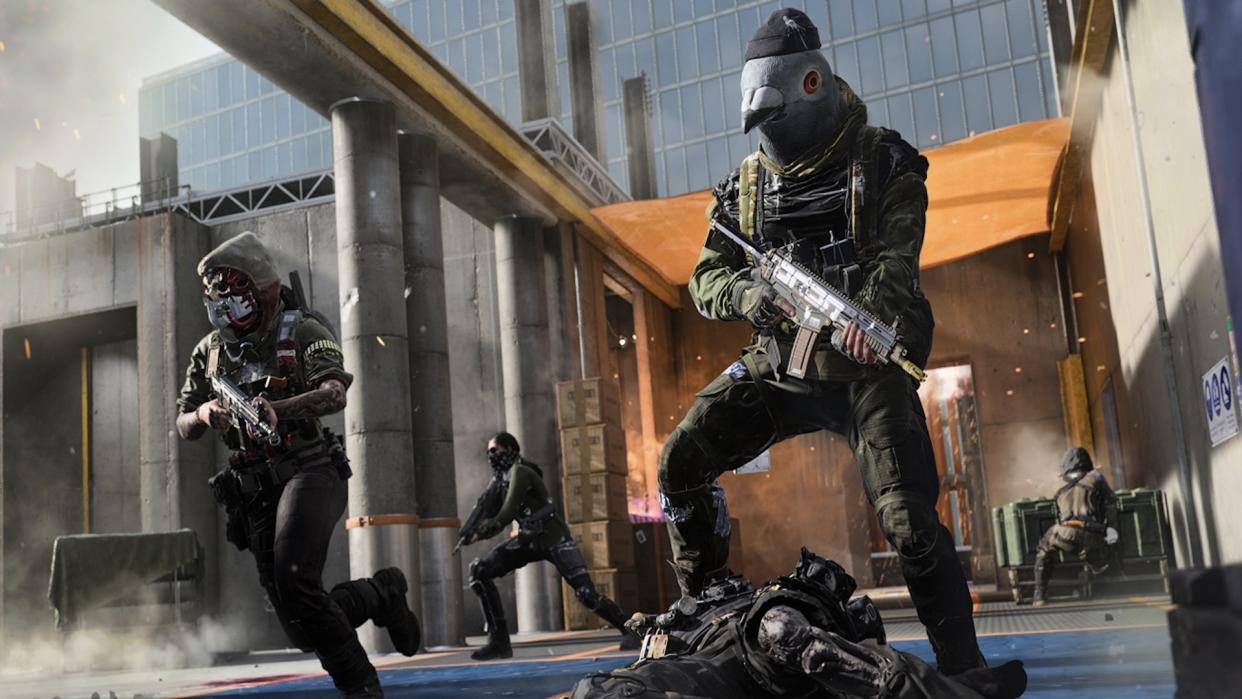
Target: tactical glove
x=487 y=529
x=755 y=300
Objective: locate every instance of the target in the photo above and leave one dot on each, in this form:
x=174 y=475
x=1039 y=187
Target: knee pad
x=911 y=526
x=587 y=595
x=783 y=633
x=681 y=459
x=479 y=572
x=299 y=637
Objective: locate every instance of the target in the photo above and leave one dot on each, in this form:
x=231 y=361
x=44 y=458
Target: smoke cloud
x=69 y=77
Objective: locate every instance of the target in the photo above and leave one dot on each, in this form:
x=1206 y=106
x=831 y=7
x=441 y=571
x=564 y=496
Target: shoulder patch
x=321 y=347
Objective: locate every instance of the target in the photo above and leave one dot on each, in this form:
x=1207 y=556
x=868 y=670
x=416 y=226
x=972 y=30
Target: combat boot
x=1043 y=575
x=498 y=645
x=351 y=671
x=1005 y=682
x=955 y=645
x=402 y=624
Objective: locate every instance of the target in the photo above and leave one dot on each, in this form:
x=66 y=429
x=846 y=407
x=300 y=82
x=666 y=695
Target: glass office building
x=935 y=70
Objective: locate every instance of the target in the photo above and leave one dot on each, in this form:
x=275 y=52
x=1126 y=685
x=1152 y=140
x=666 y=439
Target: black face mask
x=501 y=460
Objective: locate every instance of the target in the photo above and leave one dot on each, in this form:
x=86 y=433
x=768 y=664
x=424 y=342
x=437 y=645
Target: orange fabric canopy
x=984 y=191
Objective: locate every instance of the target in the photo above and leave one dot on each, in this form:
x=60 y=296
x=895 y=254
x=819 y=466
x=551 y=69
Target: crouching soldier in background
x=517 y=491
x=799 y=636
x=262 y=379
x=1081 y=529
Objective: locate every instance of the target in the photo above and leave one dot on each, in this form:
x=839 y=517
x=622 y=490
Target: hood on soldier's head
x=825 y=573
x=1076 y=460
x=789 y=92
x=244 y=254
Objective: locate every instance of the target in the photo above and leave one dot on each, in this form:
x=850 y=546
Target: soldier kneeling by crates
x=1081 y=528
x=516 y=491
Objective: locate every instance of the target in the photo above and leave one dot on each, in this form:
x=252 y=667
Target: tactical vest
x=815 y=217
x=1078 y=499
x=270 y=369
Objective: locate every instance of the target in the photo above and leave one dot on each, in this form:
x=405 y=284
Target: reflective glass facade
x=934 y=70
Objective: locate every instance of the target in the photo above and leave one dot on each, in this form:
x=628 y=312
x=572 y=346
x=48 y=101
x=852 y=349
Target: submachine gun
x=243 y=411
x=815 y=305
x=488 y=504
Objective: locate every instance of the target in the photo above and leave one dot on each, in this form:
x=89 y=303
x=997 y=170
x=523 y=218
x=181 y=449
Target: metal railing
x=562 y=149
x=210 y=208
x=157 y=196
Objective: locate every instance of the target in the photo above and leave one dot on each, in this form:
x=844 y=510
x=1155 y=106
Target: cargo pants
x=745 y=410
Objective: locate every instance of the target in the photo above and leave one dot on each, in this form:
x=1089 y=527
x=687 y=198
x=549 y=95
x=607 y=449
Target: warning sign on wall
x=1219 y=400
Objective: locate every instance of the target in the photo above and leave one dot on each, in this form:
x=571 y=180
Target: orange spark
x=26 y=343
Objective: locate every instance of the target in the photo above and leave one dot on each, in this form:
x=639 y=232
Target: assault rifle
x=814 y=305
x=244 y=413
x=487 y=504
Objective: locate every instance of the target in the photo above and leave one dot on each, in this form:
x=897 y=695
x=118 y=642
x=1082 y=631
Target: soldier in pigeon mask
x=848 y=201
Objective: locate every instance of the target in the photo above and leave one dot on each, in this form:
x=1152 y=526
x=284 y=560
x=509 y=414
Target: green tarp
x=92 y=570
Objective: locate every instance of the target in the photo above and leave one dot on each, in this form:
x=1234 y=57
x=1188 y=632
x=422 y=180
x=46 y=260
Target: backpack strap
x=213 y=356
x=287 y=345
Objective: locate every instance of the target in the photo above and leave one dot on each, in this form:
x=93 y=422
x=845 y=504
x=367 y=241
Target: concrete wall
x=1189 y=257
x=91 y=288
x=43 y=488
x=998 y=312
x=114 y=431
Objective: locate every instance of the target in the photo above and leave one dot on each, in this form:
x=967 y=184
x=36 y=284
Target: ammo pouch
x=227 y=492
x=535 y=523
x=336 y=452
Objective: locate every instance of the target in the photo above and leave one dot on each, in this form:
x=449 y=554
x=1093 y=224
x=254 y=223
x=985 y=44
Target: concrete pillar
x=431 y=417
x=583 y=78
x=640 y=150
x=172 y=473
x=530 y=410
x=371 y=269
x=157 y=167
x=1059 y=22
x=536 y=59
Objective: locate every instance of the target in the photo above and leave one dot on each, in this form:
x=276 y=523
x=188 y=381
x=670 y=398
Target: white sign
x=1219 y=399
x=759 y=464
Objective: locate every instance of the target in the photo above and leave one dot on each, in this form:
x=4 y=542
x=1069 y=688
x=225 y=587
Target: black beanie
x=786 y=31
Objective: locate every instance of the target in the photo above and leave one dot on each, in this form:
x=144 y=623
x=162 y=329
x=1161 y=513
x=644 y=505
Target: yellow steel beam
x=1092 y=47
x=374 y=36
x=86 y=442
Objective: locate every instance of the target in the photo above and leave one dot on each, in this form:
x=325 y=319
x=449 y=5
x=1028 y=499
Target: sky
x=69 y=77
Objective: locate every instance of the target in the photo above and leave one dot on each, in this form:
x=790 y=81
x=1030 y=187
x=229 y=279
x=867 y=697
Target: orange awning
x=984 y=191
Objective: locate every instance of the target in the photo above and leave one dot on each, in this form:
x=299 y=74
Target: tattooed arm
x=327 y=399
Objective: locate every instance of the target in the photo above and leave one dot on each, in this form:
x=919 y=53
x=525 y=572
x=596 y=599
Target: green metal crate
x=998 y=537
x=1025 y=521
x=1143 y=524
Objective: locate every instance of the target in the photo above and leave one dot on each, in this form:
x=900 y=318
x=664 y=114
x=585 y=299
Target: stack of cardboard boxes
x=594 y=466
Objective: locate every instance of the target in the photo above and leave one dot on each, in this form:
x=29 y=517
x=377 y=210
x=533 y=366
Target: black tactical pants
x=522 y=549
x=737 y=417
x=289 y=534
